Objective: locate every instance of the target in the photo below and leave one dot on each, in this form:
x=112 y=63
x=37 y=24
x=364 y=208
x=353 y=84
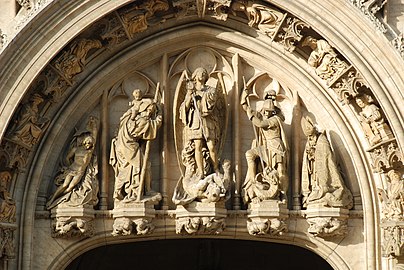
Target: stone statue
x=322 y=184
x=202 y=115
x=393 y=198
x=29 y=124
x=269 y=148
x=324 y=58
x=372 y=120
x=130 y=149
x=7 y=204
x=259 y=16
x=77 y=180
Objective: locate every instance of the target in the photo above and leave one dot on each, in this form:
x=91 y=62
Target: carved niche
x=200 y=122
x=72 y=204
x=325 y=195
x=328 y=65
x=134 y=198
x=277 y=25
x=218 y=9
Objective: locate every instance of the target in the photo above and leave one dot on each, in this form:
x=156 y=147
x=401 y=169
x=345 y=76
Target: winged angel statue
x=200 y=120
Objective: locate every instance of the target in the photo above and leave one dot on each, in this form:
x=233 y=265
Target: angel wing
x=179 y=97
x=220 y=113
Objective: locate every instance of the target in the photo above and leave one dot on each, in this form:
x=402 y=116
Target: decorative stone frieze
x=392 y=198
x=372 y=9
x=290 y=32
x=392 y=238
x=386 y=156
x=398 y=43
x=327 y=63
x=138 y=18
x=216 y=8
x=72 y=61
x=3 y=39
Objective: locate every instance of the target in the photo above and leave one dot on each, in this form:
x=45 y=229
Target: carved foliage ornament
x=393 y=240
x=73 y=60
x=216 y=8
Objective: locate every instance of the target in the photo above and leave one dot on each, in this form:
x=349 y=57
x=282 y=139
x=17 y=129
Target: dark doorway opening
x=199 y=254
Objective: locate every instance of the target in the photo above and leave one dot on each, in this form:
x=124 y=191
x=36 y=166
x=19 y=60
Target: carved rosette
x=133 y=218
x=200 y=218
x=290 y=32
x=327 y=222
x=71 y=222
x=267 y=217
x=392 y=239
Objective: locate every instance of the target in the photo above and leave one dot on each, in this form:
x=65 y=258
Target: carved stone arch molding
x=105 y=65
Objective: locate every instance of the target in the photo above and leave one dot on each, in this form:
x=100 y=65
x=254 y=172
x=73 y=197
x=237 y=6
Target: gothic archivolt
x=201 y=99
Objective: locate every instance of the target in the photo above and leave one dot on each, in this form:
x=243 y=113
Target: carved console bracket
x=327 y=222
x=200 y=218
x=72 y=221
x=133 y=217
x=267 y=217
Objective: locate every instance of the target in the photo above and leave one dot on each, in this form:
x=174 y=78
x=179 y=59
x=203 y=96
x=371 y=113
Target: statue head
x=37 y=99
x=310 y=41
x=200 y=74
x=393 y=175
x=5 y=178
x=88 y=142
x=363 y=100
x=137 y=94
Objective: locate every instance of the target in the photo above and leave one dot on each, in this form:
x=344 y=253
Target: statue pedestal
x=326 y=221
x=133 y=217
x=267 y=217
x=201 y=218
x=72 y=221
